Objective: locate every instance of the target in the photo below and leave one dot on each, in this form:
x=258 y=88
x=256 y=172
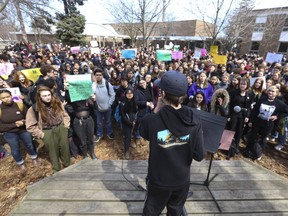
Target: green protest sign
x=80 y=86
x=164 y=55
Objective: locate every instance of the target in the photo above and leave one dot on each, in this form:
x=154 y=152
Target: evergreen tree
x=71 y=24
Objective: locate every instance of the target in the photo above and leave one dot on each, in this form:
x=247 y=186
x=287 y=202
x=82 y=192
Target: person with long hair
x=12 y=125
x=257 y=89
x=47 y=120
x=234 y=84
x=220 y=102
x=203 y=85
x=25 y=86
x=240 y=108
x=198 y=102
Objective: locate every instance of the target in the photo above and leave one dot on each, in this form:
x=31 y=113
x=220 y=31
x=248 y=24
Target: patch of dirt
x=14 y=184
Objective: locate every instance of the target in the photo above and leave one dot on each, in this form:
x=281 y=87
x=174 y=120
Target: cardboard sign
x=75 y=50
x=214 y=50
x=32 y=74
x=177 y=55
x=80 y=86
x=197 y=53
x=129 y=53
x=164 y=55
x=95 y=50
x=203 y=52
x=220 y=59
x=16 y=94
x=274 y=57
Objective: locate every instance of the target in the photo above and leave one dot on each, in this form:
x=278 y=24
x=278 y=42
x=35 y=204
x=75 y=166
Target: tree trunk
x=3 y=6
x=21 y=20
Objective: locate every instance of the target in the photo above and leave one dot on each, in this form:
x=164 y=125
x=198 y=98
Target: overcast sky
x=95 y=11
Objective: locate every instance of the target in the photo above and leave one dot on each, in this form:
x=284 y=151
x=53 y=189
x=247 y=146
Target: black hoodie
x=176 y=137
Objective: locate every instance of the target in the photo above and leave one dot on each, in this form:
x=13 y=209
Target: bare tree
x=26 y=10
x=239 y=23
x=214 y=20
x=138 y=16
x=3 y=6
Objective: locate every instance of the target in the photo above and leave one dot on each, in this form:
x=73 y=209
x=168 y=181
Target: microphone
x=238 y=109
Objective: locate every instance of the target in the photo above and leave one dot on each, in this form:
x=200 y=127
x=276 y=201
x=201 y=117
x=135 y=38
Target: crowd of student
x=129 y=89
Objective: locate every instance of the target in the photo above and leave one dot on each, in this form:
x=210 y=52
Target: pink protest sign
x=203 y=52
x=177 y=55
x=75 y=50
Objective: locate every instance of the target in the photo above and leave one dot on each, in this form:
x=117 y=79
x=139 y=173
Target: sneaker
x=126 y=155
x=111 y=136
x=97 y=138
x=133 y=145
x=258 y=158
x=279 y=147
x=272 y=140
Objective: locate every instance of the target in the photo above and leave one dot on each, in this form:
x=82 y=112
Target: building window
x=260 y=23
x=255 y=46
x=283 y=47
x=261 y=19
x=259 y=27
x=285 y=27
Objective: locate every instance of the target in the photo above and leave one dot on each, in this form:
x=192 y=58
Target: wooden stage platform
x=114 y=188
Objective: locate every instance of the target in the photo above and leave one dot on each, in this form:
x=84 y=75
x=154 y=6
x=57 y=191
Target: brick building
x=268 y=32
x=190 y=33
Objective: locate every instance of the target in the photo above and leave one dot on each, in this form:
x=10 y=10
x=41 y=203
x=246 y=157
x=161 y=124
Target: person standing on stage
x=175 y=138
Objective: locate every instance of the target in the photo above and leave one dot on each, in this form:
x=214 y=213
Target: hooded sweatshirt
x=176 y=137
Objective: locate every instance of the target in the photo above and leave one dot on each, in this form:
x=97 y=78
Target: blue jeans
x=13 y=141
x=107 y=121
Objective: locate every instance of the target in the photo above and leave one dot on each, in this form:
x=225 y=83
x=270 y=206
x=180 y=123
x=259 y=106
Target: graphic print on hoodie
x=166 y=139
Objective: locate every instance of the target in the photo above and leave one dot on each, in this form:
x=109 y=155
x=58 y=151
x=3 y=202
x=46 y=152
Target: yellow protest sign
x=32 y=74
x=214 y=50
x=4 y=76
x=220 y=59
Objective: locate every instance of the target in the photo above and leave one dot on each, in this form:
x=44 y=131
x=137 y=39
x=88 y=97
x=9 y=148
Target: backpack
x=107 y=87
x=19 y=104
x=117 y=115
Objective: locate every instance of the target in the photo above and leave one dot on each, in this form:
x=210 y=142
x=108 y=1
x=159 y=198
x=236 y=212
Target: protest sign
x=75 y=50
x=32 y=74
x=129 y=53
x=220 y=59
x=197 y=53
x=176 y=47
x=214 y=50
x=164 y=55
x=274 y=57
x=203 y=52
x=16 y=94
x=80 y=86
x=177 y=55
x=95 y=50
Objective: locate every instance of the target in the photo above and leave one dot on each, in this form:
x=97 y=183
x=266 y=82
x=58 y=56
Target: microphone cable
x=137 y=187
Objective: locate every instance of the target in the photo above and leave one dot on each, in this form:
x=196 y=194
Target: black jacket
x=176 y=137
